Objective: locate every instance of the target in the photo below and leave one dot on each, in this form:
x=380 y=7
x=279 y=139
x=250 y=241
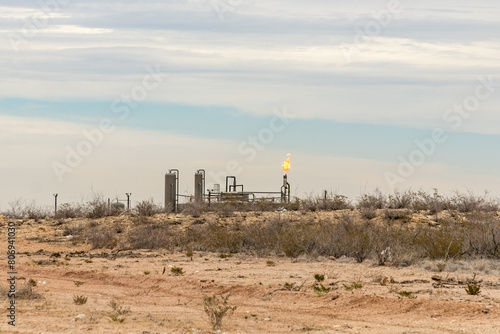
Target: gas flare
x=286 y=164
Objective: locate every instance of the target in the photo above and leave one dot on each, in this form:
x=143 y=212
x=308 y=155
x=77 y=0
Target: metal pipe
x=234 y=182
x=128 y=200
x=55 y=204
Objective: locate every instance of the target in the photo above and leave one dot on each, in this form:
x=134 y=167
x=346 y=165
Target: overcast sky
x=106 y=96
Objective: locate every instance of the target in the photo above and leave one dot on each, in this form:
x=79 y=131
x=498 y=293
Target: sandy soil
x=160 y=302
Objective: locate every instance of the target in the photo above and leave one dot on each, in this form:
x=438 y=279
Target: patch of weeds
x=78 y=283
x=147 y=272
x=88 y=261
x=80 y=300
x=177 y=271
x=270 y=263
x=116 y=318
x=119 y=311
x=289 y=286
x=321 y=290
x=117 y=308
x=319 y=277
x=26 y=291
x=190 y=254
x=225 y=256
x=407 y=294
x=353 y=286
x=473 y=289
x=217 y=308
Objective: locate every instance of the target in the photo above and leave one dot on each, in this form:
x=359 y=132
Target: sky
x=104 y=97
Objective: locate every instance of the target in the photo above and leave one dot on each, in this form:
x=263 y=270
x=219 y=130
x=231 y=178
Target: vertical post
x=55 y=204
x=128 y=200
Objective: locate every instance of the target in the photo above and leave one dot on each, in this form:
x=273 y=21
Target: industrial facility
x=232 y=191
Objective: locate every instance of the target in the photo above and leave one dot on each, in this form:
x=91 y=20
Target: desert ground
x=140 y=291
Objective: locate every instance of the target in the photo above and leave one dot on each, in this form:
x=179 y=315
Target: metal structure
x=172 y=189
x=199 y=185
x=128 y=200
x=236 y=192
x=285 y=190
x=55 y=204
x=233 y=190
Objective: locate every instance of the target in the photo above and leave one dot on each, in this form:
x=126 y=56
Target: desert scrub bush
x=397 y=214
x=79 y=299
x=376 y=200
x=353 y=286
x=22 y=209
x=368 y=213
x=442 y=242
x=177 y=271
x=482 y=238
x=407 y=294
x=319 y=277
x=147 y=208
x=119 y=312
x=102 y=236
x=329 y=202
x=217 y=238
x=320 y=290
x=73 y=229
x=25 y=291
x=226 y=209
x=194 y=209
x=473 y=289
x=151 y=236
x=468 y=202
x=434 y=202
x=355 y=238
x=97 y=207
x=70 y=210
x=401 y=200
x=217 y=308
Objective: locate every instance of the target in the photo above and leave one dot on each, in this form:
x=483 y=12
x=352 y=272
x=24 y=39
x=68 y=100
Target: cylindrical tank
x=199 y=185
x=170 y=191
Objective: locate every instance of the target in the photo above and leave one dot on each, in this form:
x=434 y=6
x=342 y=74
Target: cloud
x=262 y=55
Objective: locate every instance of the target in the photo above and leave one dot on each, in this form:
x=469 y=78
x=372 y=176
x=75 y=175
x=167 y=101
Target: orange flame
x=286 y=164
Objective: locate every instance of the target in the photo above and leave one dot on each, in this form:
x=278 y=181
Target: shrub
x=79 y=300
x=473 y=289
x=100 y=236
x=148 y=208
x=217 y=308
x=177 y=271
x=368 y=213
x=397 y=214
x=151 y=236
x=319 y=277
x=377 y=200
x=67 y=210
x=353 y=286
x=21 y=209
x=97 y=207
